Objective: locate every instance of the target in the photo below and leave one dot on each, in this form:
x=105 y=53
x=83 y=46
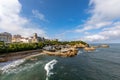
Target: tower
x=35 y=36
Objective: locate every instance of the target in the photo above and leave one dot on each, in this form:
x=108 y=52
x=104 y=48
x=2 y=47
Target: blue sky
x=88 y=20
x=61 y=15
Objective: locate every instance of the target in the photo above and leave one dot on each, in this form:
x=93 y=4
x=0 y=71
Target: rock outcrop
x=104 y=46
x=69 y=53
x=81 y=45
x=89 y=49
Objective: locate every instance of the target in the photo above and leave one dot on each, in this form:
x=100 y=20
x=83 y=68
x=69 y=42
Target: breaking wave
x=79 y=52
x=7 y=67
x=48 y=67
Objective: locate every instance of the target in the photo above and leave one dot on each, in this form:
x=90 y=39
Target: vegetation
x=1 y=43
x=14 y=47
x=64 y=42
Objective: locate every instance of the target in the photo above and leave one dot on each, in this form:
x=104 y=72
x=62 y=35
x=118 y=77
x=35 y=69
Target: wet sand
x=19 y=55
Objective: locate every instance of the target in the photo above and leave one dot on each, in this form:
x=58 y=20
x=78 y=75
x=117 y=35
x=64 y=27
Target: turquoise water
x=102 y=64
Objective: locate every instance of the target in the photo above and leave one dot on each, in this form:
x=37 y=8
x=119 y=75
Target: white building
x=6 y=37
x=25 y=40
x=33 y=39
x=18 y=38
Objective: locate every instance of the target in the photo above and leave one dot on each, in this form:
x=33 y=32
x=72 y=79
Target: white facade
x=6 y=37
x=34 y=39
x=24 y=40
x=16 y=38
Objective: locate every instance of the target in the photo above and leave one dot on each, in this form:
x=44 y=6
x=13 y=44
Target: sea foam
x=7 y=68
x=48 y=67
x=79 y=52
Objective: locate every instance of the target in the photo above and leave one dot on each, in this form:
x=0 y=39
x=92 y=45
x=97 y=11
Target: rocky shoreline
x=70 y=52
x=67 y=51
x=33 y=53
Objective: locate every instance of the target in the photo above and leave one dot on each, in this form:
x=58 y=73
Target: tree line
x=15 y=47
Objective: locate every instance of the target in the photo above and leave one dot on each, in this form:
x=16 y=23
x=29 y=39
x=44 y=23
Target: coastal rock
x=81 y=45
x=95 y=46
x=89 y=49
x=67 y=53
x=104 y=46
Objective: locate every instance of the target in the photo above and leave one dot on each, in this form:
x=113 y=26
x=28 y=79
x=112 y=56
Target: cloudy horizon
x=88 y=20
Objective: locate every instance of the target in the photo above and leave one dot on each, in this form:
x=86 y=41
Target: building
x=35 y=38
x=25 y=40
x=16 y=38
x=6 y=37
x=54 y=40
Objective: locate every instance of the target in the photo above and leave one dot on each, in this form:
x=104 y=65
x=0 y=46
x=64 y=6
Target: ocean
x=102 y=64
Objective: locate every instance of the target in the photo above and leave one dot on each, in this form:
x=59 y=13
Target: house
x=6 y=37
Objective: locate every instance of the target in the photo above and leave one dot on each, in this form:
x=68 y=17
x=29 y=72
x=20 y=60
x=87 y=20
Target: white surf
x=7 y=68
x=48 y=67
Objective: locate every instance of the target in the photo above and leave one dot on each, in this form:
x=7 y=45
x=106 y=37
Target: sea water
x=102 y=64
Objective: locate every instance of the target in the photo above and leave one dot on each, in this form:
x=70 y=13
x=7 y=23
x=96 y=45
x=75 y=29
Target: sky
x=87 y=20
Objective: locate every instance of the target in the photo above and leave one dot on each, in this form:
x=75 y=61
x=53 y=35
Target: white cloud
x=106 y=9
x=39 y=15
x=11 y=20
x=90 y=25
x=103 y=13
x=107 y=34
x=105 y=17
